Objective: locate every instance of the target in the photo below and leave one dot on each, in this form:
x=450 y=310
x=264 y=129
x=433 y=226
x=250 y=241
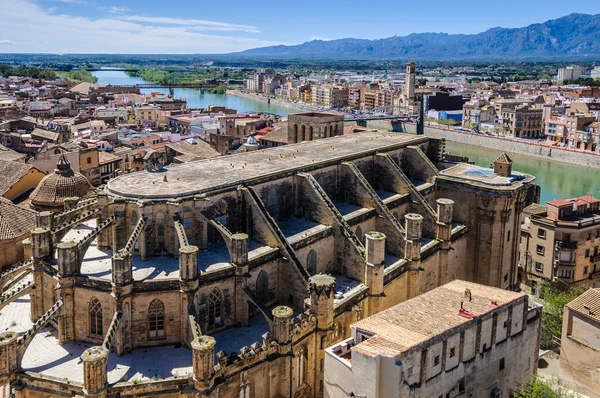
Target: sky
x=214 y=27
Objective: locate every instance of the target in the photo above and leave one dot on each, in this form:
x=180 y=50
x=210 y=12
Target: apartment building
x=562 y=130
x=561 y=242
x=523 y=121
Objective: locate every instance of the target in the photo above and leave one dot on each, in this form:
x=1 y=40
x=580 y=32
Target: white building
x=569 y=73
x=461 y=338
x=596 y=73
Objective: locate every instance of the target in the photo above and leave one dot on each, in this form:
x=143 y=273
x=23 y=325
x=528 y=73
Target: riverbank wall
x=520 y=147
x=274 y=101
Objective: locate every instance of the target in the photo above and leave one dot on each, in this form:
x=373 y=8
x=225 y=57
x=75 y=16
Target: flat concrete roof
x=485 y=176
x=229 y=171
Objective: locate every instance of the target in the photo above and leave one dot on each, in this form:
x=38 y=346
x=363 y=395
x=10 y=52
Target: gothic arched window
x=156 y=319
x=188 y=223
x=359 y=233
x=311 y=262
x=214 y=309
x=272 y=202
x=160 y=230
x=262 y=287
x=96 y=318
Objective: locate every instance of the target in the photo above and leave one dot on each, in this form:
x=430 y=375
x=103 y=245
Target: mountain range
x=575 y=36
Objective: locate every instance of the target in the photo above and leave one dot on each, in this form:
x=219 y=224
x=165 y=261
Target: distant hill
x=575 y=36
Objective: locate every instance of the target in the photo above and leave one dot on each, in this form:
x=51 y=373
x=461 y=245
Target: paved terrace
x=227 y=171
x=477 y=175
x=15 y=316
x=97 y=262
x=47 y=357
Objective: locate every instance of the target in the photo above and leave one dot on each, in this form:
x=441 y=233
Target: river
x=557 y=180
x=194 y=98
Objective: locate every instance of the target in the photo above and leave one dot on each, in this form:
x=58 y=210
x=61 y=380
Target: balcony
x=570 y=245
x=567 y=263
x=595 y=259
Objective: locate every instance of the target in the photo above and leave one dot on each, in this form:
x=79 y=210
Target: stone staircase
x=381 y=207
x=181 y=235
x=66 y=214
x=10 y=274
x=85 y=243
x=20 y=289
x=281 y=239
x=112 y=331
x=137 y=231
x=347 y=230
x=414 y=192
x=59 y=231
x=26 y=338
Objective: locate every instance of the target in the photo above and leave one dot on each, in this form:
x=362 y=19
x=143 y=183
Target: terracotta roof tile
x=428 y=315
x=589 y=299
x=15 y=221
x=11 y=173
x=64 y=183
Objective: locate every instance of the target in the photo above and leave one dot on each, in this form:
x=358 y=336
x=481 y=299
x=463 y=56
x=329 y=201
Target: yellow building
x=17 y=179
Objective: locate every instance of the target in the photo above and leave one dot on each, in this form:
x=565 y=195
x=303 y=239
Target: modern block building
x=459 y=339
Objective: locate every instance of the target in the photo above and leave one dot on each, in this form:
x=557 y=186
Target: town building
x=569 y=73
x=560 y=242
x=579 y=343
x=523 y=121
x=18 y=179
x=312 y=126
x=251 y=265
x=568 y=130
x=459 y=339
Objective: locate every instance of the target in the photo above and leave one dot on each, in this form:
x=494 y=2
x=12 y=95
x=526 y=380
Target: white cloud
x=118 y=9
x=41 y=31
x=196 y=23
x=6 y=42
x=72 y=1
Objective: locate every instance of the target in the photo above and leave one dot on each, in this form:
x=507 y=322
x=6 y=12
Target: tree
x=544 y=388
x=554 y=299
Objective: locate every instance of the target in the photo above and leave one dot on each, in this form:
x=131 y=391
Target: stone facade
x=313 y=126
x=580 y=342
x=484 y=343
x=262 y=233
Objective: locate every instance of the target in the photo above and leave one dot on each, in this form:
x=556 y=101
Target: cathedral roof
x=15 y=221
x=56 y=187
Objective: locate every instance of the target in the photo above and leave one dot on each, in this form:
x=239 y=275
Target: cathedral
x=228 y=277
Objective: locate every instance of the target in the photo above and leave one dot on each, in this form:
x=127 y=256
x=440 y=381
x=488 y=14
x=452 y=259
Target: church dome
x=56 y=187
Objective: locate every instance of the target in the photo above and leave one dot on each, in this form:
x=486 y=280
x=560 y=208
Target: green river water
x=557 y=180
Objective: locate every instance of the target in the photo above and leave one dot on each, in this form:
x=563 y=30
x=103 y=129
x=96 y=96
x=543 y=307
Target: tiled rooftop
x=587 y=304
x=428 y=315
